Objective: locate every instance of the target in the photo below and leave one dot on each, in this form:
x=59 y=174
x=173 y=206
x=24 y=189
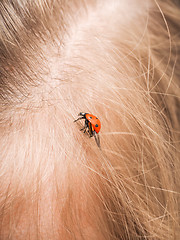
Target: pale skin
x=52 y=173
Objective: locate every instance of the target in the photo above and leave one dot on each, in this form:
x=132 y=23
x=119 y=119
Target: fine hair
x=118 y=60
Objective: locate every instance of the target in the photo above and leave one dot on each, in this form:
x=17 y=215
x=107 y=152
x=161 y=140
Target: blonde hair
x=118 y=60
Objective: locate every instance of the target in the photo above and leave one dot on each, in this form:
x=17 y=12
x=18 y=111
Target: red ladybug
x=92 y=125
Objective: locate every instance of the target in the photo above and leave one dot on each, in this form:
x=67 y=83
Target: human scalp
x=118 y=60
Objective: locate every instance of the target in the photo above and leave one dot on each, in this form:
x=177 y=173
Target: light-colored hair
x=118 y=60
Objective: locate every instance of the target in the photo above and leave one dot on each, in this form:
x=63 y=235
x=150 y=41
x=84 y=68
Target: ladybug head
x=82 y=114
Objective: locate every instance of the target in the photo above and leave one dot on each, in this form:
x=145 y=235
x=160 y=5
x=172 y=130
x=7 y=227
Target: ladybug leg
x=90 y=131
x=78 y=119
x=85 y=127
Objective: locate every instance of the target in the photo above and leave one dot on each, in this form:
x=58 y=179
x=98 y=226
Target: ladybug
x=92 y=125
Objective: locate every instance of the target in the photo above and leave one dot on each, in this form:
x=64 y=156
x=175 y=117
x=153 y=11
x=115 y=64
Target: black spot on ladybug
x=96 y=118
x=96 y=125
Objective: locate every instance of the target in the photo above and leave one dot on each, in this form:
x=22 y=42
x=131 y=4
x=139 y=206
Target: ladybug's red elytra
x=92 y=125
